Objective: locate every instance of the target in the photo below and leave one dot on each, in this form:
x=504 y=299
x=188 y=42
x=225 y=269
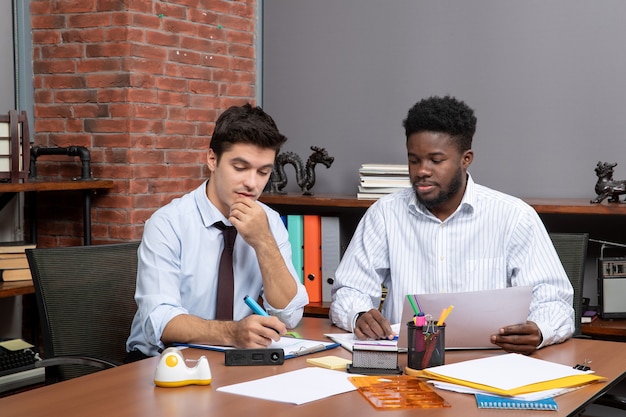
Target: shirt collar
x=208 y=212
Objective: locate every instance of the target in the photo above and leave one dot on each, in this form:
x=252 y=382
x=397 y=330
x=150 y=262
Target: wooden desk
x=8 y=191
x=611 y=329
x=129 y=391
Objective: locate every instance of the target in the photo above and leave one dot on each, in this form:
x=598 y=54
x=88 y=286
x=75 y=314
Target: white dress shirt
x=178 y=269
x=492 y=240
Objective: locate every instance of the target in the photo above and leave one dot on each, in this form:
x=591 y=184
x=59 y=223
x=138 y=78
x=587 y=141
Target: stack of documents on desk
x=511 y=374
x=377 y=180
x=291 y=346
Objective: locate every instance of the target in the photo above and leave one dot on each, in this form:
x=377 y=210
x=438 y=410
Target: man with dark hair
x=449 y=234
x=179 y=256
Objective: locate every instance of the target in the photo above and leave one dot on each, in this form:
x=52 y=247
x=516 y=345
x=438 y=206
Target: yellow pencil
x=444 y=315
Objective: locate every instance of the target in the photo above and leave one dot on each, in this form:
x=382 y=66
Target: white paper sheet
x=296 y=387
x=507 y=371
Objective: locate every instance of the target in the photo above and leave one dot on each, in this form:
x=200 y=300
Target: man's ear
x=467 y=158
x=211 y=160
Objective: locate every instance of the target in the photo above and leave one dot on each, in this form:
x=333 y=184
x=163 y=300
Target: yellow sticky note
x=330 y=362
x=15 y=344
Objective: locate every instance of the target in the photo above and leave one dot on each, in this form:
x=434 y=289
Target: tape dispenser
x=172 y=370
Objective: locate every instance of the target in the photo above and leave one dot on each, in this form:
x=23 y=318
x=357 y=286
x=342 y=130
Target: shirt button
x=442 y=258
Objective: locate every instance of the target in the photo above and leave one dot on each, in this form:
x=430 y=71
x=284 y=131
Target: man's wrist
x=356 y=318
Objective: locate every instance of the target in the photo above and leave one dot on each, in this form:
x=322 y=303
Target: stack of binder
x=377 y=180
x=317 y=245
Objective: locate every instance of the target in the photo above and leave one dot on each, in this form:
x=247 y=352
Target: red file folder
x=313 y=257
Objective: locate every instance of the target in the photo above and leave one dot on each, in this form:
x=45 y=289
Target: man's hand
x=373 y=326
x=518 y=338
x=250 y=220
x=257 y=331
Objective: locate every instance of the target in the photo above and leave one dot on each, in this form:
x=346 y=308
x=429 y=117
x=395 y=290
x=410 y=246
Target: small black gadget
x=246 y=357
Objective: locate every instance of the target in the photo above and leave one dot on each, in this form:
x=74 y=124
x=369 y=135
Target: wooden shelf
x=319 y=200
x=317 y=309
x=541 y=205
x=13 y=288
x=575 y=206
x=611 y=329
x=25 y=187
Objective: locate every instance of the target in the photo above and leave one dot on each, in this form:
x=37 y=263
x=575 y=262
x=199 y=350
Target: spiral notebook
x=507 y=403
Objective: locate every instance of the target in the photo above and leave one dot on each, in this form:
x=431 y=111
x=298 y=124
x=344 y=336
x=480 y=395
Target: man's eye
x=264 y=173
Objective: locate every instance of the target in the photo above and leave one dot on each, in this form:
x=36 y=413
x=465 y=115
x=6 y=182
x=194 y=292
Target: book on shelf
x=15 y=247
x=22 y=274
x=370 y=196
x=589 y=316
x=13 y=261
x=385 y=182
x=387 y=169
x=381 y=190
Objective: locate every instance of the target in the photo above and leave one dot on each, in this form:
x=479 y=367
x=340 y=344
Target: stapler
x=172 y=371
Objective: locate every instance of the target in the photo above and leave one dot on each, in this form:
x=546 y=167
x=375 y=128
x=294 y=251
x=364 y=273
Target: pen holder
x=426 y=345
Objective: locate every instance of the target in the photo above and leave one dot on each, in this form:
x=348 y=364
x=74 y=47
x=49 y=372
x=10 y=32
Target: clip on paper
x=584 y=366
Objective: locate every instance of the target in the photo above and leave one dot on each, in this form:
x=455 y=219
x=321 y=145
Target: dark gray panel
x=7 y=70
x=547 y=81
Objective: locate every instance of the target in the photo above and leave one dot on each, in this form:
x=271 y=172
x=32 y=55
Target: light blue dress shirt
x=178 y=269
x=492 y=240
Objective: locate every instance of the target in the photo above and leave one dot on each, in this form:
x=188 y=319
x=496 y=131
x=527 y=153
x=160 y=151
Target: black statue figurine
x=606 y=185
x=305 y=176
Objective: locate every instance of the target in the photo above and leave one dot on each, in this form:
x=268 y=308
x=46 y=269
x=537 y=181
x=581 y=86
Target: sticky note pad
x=330 y=362
x=15 y=344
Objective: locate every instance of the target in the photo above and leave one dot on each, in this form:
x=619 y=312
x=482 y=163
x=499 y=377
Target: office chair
x=85 y=298
x=572 y=251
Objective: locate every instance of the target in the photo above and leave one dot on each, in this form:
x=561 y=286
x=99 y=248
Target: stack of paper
x=511 y=374
x=377 y=180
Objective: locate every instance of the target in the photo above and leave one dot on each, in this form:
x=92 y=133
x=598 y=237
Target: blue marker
x=254 y=306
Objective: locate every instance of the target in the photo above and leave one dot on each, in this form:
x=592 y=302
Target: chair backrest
x=572 y=251
x=85 y=298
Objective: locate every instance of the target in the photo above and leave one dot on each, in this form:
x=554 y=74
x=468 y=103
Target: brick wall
x=140 y=84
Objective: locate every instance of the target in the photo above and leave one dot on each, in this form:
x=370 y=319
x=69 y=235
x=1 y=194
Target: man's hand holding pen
x=257 y=331
x=371 y=325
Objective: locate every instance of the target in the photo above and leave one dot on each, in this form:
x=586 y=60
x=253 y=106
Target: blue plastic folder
x=292 y=347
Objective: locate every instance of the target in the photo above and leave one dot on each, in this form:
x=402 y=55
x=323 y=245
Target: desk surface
x=129 y=389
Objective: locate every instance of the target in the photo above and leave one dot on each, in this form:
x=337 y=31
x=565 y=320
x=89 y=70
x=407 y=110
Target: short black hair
x=442 y=115
x=245 y=124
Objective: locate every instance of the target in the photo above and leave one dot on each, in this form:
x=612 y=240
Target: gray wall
x=7 y=69
x=547 y=81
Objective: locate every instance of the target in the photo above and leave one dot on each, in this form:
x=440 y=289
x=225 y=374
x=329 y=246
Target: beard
x=444 y=195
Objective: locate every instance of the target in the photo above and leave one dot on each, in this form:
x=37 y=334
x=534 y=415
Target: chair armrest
x=612 y=400
x=76 y=360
